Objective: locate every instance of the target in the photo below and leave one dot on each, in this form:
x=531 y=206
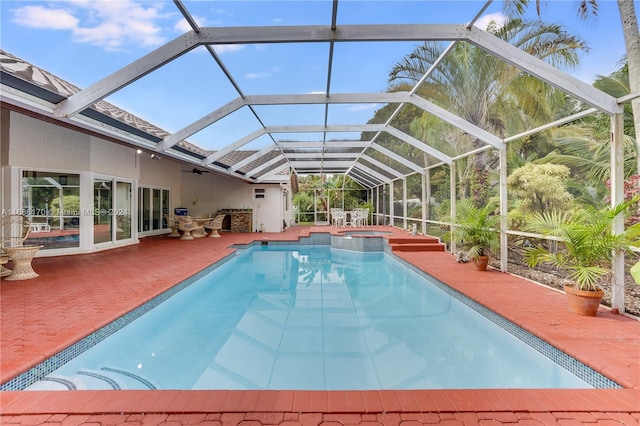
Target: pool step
x=107 y=378
x=417 y=243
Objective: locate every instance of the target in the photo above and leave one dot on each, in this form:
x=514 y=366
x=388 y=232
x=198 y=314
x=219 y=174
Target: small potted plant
x=476 y=231
x=586 y=247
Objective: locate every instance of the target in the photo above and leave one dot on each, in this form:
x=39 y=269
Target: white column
x=452 y=186
x=426 y=198
x=376 y=204
x=390 y=205
x=504 y=247
x=617 y=196
x=404 y=203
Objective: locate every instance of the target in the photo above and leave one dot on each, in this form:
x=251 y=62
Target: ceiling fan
x=196 y=171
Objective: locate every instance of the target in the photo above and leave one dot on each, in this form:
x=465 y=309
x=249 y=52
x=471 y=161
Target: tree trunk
x=632 y=45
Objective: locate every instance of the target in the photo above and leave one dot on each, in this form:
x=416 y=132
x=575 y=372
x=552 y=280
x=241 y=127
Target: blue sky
x=84 y=41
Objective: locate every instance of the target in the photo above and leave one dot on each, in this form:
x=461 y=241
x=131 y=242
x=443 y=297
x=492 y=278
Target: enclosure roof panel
x=312 y=121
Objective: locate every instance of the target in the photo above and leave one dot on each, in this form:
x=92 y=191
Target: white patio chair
x=215 y=225
x=14 y=230
x=336 y=215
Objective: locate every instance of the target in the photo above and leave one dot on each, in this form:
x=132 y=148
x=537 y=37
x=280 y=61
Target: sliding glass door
x=153 y=204
x=111 y=210
x=123 y=210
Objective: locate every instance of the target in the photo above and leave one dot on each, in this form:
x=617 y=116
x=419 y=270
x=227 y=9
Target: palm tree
x=477 y=86
x=585 y=146
x=631 y=35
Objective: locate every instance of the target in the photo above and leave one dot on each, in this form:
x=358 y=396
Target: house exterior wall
x=38 y=144
x=32 y=144
x=268 y=211
x=112 y=159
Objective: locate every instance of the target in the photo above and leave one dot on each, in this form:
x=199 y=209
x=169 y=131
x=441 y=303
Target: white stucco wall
x=209 y=192
x=38 y=144
x=112 y=159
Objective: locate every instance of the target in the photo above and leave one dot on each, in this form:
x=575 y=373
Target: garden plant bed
x=557 y=280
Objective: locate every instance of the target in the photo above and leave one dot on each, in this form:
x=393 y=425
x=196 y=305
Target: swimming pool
x=312 y=317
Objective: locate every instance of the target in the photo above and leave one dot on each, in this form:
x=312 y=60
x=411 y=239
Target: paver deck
x=76 y=295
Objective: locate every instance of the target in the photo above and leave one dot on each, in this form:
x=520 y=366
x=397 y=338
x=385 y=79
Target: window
x=259 y=193
x=51 y=201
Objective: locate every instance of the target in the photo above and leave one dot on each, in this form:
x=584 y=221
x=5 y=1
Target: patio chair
x=363 y=215
x=188 y=226
x=172 y=223
x=335 y=213
x=215 y=225
x=14 y=231
x=358 y=218
x=339 y=218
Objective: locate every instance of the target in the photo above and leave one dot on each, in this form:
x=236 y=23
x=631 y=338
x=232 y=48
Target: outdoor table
x=201 y=221
x=22 y=257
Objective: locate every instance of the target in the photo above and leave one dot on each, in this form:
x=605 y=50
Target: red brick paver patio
x=76 y=295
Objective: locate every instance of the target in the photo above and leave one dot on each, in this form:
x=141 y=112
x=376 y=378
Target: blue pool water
x=311 y=317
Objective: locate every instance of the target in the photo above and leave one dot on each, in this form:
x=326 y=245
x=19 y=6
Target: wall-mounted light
x=138 y=151
x=155 y=156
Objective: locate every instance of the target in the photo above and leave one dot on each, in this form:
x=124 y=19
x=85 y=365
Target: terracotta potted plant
x=476 y=231
x=585 y=248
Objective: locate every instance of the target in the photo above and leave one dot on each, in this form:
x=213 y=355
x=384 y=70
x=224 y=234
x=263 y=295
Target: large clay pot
x=583 y=302
x=481 y=262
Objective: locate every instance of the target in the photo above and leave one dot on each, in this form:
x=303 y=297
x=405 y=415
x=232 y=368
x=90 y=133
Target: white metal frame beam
x=272 y=173
x=340 y=98
x=316 y=33
x=364 y=177
x=382 y=166
x=370 y=172
x=318 y=144
x=209 y=36
x=539 y=68
x=318 y=156
x=396 y=157
x=258 y=169
x=333 y=128
x=251 y=158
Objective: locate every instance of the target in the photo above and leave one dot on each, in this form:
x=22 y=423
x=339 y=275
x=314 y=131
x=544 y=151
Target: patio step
x=418 y=247
x=421 y=239
x=421 y=243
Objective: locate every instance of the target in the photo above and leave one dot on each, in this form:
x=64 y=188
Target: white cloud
x=484 y=21
x=363 y=107
x=263 y=74
x=110 y=24
x=224 y=48
x=40 y=17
